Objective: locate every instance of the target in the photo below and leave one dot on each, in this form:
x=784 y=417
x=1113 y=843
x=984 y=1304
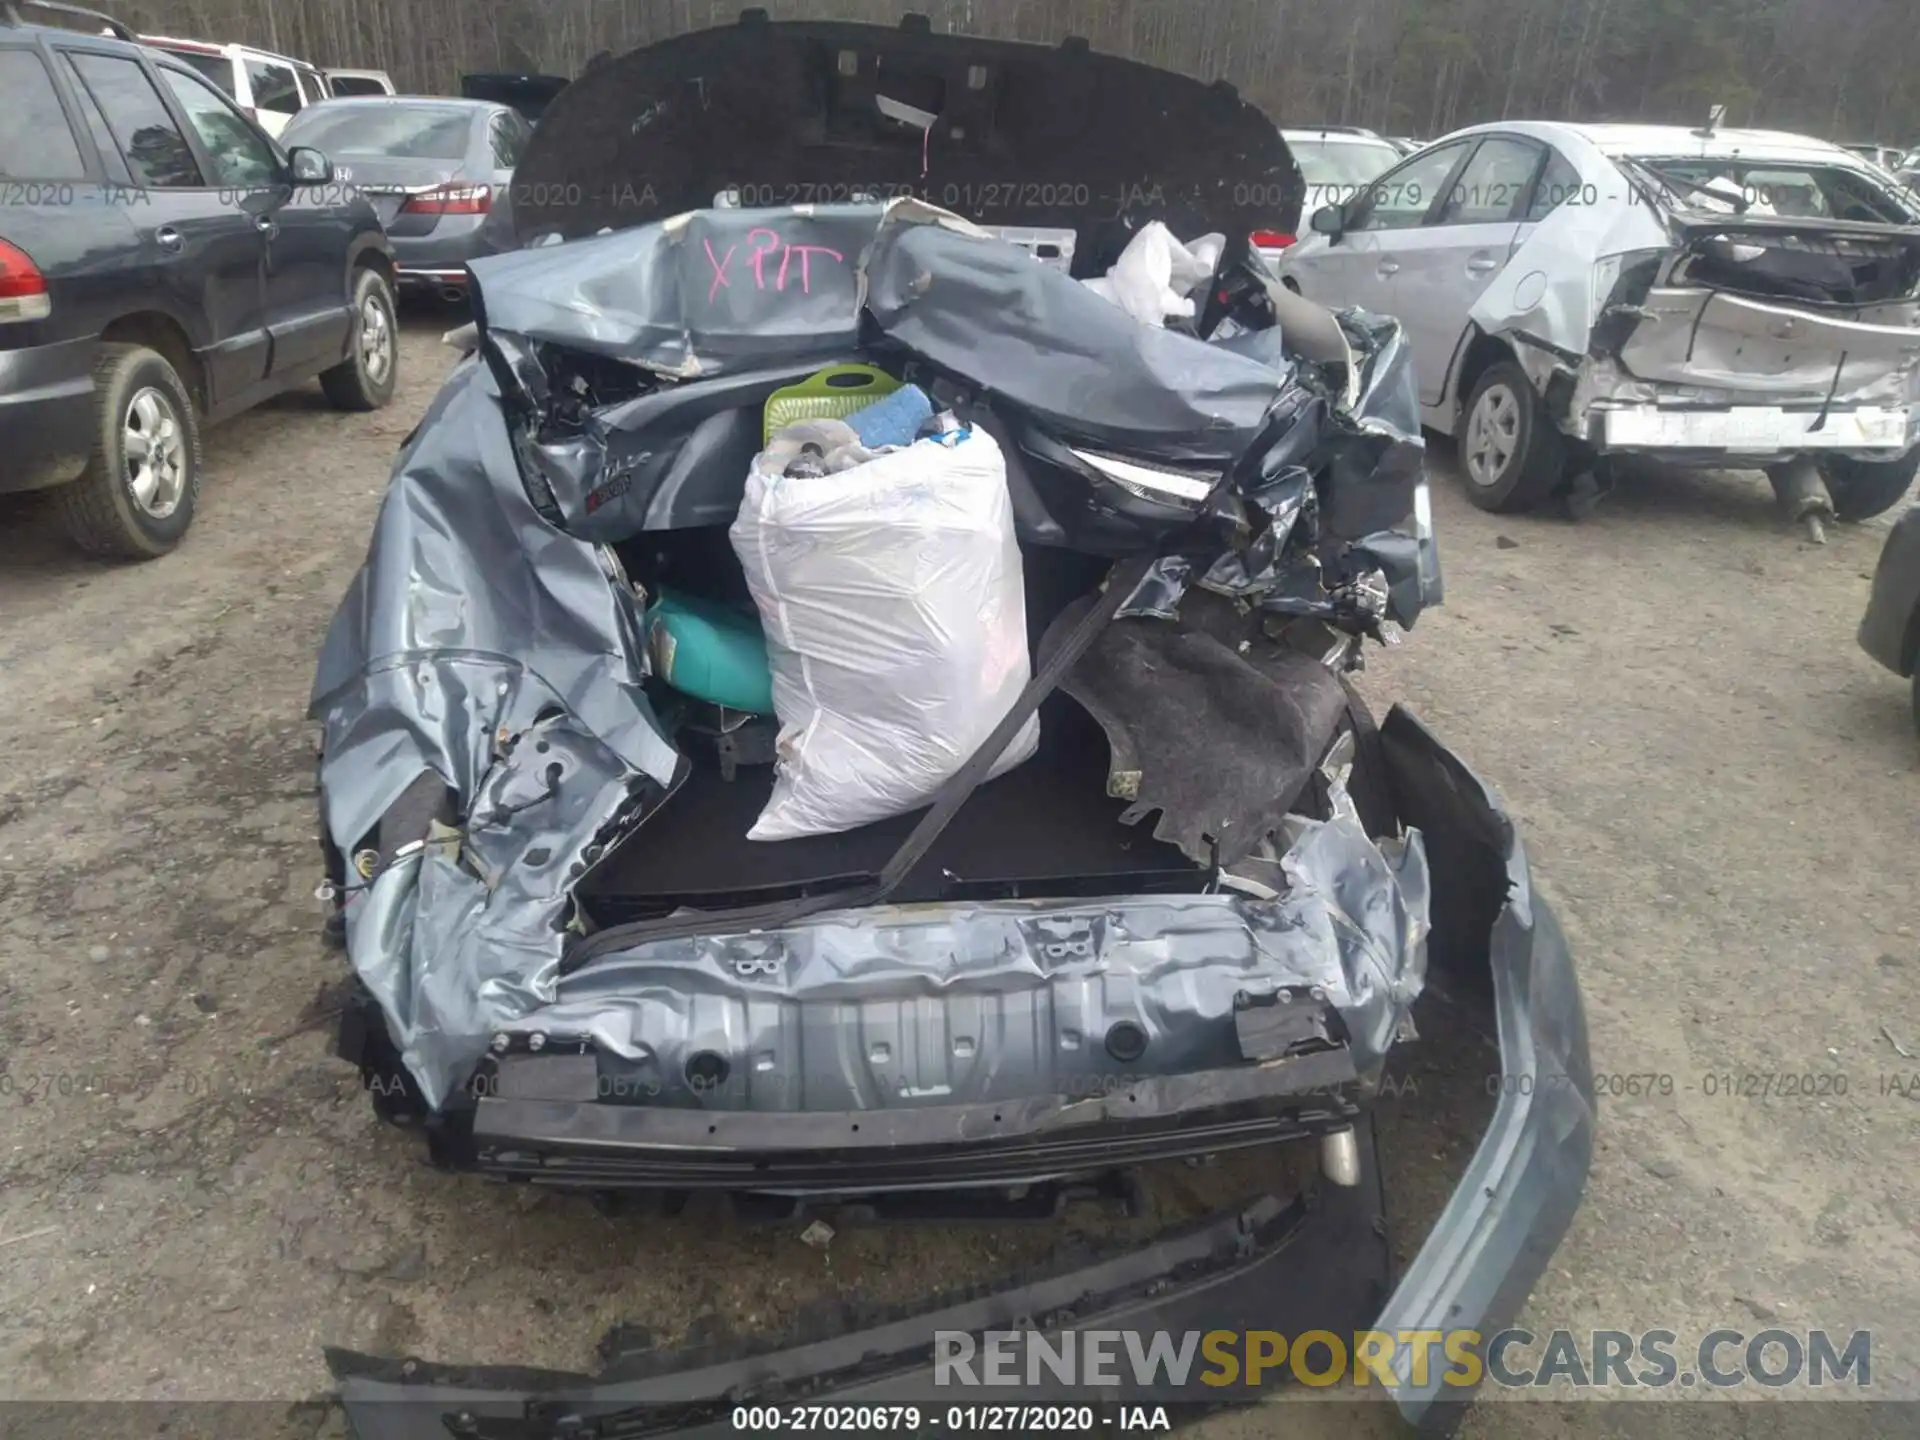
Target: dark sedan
x=1890 y=631
x=439 y=172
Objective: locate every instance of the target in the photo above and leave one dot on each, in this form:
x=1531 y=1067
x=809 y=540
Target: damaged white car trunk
x=1728 y=299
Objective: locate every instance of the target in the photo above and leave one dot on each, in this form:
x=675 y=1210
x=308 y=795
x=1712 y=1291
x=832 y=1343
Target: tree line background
x=1845 y=69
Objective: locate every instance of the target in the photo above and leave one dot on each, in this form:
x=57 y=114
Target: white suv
x=270 y=88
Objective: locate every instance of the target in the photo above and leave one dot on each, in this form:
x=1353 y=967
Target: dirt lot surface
x=1717 y=789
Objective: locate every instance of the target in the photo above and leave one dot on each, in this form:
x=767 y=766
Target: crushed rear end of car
x=573 y=970
x=1717 y=316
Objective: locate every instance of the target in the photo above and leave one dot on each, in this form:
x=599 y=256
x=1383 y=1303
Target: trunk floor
x=1044 y=828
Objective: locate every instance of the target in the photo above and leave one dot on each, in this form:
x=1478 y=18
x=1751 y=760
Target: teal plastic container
x=710 y=651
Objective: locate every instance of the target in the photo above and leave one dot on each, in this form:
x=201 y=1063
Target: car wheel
x=136 y=497
x=365 y=379
x=1862 y=489
x=1509 y=449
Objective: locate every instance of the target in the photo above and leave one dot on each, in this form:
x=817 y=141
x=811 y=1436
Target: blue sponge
x=894 y=420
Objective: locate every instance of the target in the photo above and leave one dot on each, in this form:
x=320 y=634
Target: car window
x=357 y=85
x=36 y=142
x=156 y=151
x=239 y=153
x=1492 y=186
x=1345 y=164
x=1400 y=199
x=412 y=132
x=111 y=160
x=274 y=87
x=508 y=141
x=1758 y=187
x=1558 y=185
x=217 y=68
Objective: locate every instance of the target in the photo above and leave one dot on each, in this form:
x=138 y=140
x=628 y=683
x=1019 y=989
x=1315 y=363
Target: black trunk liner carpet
x=1046 y=828
x=1212 y=724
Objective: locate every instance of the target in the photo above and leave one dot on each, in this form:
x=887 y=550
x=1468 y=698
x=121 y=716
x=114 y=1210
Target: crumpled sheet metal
x=948 y=1004
x=697 y=295
x=1351 y=481
x=482 y=645
x=711 y=294
x=983 y=310
x=475 y=621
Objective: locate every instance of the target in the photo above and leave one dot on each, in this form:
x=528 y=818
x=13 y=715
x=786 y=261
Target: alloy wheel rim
x=1493 y=435
x=376 y=339
x=154 y=443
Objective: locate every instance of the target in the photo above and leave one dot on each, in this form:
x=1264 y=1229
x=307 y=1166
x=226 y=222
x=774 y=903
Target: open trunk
x=575 y=969
x=1816 y=312
x=1046 y=828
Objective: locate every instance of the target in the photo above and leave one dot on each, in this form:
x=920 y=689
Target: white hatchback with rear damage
x=1725 y=298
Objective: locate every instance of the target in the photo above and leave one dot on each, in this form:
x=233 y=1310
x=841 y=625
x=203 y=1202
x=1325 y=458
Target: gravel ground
x=1717 y=789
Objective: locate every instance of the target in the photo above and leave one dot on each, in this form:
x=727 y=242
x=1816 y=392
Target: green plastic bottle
x=710 y=651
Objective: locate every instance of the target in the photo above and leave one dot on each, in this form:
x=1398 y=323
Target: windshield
x=1788 y=189
x=405 y=132
x=216 y=68
x=1342 y=162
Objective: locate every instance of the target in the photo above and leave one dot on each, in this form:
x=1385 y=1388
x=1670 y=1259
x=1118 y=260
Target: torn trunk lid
x=1010 y=135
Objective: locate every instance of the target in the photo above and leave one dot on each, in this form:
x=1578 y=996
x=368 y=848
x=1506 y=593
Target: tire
x=365 y=379
x=1515 y=458
x=1916 y=700
x=137 y=495
x=1862 y=489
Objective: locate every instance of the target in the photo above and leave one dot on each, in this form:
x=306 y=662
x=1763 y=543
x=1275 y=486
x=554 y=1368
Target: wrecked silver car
x=1725 y=298
x=1194 y=921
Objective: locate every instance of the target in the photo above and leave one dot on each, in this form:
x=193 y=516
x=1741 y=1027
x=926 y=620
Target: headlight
x=1151 y=482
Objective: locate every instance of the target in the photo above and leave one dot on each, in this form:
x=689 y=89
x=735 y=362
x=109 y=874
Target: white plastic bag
x=896 y=628
x=1156 y=274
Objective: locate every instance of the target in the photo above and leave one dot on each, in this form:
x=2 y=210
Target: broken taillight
x=450 y=200
x=1271 y=239
x=23 y=289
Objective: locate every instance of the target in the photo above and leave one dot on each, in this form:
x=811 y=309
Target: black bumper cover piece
x=587 y=1144
x=1318 y=1261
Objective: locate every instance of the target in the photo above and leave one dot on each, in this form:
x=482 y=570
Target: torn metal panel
x=478 y=644
x=1562 y=270
x=982 y=310
x=706 y=293
x=946 y=1004
x=1689 y=336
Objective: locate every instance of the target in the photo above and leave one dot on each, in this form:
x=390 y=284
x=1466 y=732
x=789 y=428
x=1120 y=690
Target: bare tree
x=1839 y=67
